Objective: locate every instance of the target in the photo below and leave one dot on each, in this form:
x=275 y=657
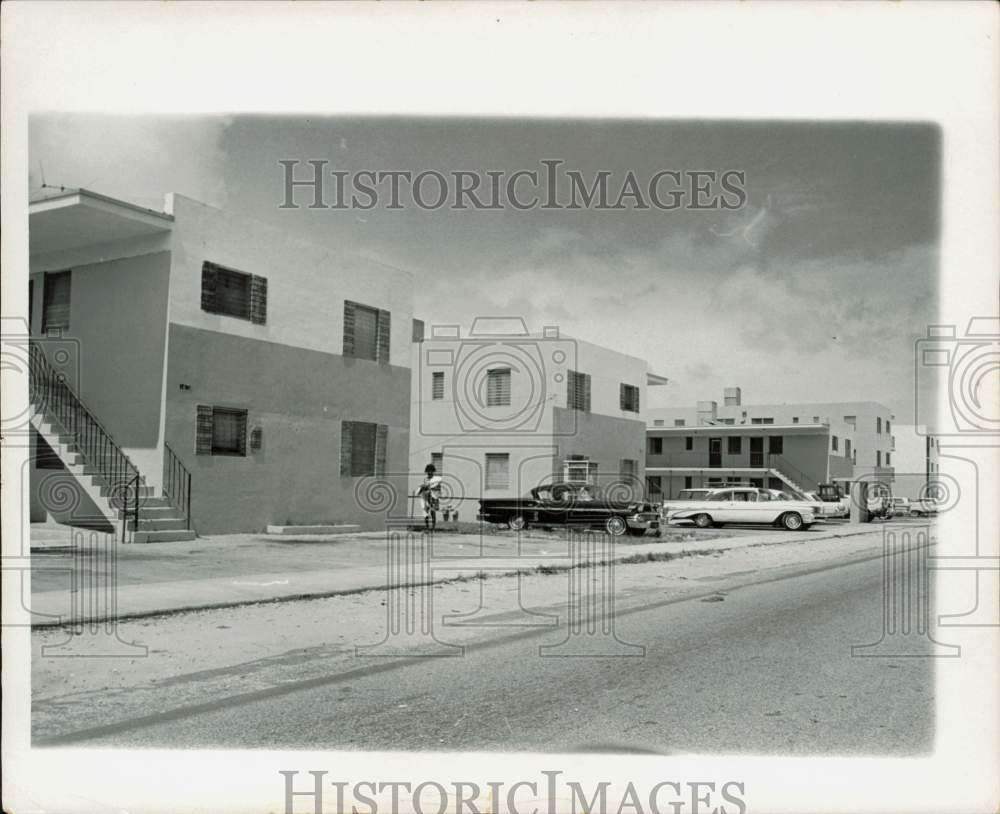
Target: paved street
x=744 y=651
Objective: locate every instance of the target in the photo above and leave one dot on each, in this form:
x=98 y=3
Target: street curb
x=555 y=569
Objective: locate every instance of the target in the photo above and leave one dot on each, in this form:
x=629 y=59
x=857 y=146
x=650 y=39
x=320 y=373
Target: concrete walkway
x=232 y=570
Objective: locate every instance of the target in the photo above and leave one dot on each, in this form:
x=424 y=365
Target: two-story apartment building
x=269 y=371
x=863 y=427
x=915 y=461
x=791 y=457
x=500 y=410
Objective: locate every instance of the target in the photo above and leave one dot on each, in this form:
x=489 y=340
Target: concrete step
x=342 y=528
x=164 y=536
x=158 y=523
x=153 y=512
x=144 y=491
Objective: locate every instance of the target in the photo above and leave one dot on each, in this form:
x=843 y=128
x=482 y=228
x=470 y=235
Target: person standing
x=430 y=496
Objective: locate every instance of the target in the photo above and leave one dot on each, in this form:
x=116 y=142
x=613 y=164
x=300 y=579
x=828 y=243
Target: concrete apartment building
x=500 y=410
x=915 y=460
x=268 y=372
x=790 y=457
x=866 y=425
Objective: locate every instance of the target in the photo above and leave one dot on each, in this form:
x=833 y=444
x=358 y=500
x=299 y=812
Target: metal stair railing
x=53 y=398
x=177 y=484
x=792 y=474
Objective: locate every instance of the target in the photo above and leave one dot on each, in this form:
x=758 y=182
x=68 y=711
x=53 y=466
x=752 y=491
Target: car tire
x=517 y=522
x=793 y=521
x=703 y=521
x=615 y=526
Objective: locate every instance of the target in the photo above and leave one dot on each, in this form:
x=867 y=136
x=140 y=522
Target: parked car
x=828 y=507
x=901 y=506
x=880 y=507
x=564 y=504
x=684 y=498
x=746 y=505
x=925 y=507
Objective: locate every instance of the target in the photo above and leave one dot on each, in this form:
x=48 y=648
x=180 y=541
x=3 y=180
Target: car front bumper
x=643 y=521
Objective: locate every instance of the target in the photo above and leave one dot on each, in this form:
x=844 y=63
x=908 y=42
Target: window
x=727 y=421
x=55 y=301
x=578 y=394
x=628 y=397
x=815 y=419
x=366 y=332
x=497 y=470
x=834 y=442
x=437 y=385
x=721 y=496
x=878 y=424
x=362 y=448
x=221 y=431
x=628 y=468
x=658 y=422
x=795 y=419
x=878 y=457
x=688 y=481
x=678 y=422
x=847 y=447
x=437 y=458
x=888 y=459
x=233 y=293
x=761 y=420
x=887 y=426
x=688 y=442
x=498 y=387
x=654 y=486
x=776 y=445
x=852 y=420
x=654 y=446
x=734 y=445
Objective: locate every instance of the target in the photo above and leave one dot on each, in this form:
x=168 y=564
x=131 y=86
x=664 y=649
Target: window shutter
x=55 y=306
x=348 y=329
x=622 y=399
x=258 y=300
x=256 y=439
x=209 y=279
x=437 y=385
x=346 y=447
x=384 y=321
x=381 y=449
x=498 y=387
x=203 y=432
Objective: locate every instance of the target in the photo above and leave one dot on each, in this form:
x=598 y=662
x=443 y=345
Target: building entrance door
x=715 y=452
x=757 y=453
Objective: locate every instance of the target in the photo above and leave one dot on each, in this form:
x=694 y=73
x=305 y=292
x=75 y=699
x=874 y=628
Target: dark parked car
x=563 y=504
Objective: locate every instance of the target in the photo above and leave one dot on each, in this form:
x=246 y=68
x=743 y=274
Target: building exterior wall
x=298 y=398
x=870 y=446
x=307 y=283
x=117 y=327
x=540 y=433
x=915 y=461
x=804 y=459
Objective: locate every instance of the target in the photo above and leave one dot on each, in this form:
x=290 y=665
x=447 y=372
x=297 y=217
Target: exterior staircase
x=102 y=470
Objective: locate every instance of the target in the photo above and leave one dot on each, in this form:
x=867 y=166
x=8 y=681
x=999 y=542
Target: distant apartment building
x=791 y=457
x=915 y=460
x=860 y=431
x=265 y=372
x=499 y=410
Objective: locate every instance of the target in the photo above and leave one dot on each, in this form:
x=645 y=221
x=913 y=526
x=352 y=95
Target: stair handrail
x=781 y=465
x=54 y=398
x=177 y=483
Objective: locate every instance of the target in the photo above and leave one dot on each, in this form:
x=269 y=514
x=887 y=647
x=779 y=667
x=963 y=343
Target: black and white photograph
x=373 y=456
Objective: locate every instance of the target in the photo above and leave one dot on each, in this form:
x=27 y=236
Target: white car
x=746 y=505
x=685 y=497
x=830 y=508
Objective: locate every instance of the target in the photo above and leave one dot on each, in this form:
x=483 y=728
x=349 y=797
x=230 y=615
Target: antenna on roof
x=41 y=170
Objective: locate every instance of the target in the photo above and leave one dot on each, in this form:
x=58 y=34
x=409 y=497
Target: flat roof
x=75 y=218
x=723 y=429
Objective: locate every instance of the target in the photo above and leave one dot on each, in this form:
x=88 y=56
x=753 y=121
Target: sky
x=815 y=290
